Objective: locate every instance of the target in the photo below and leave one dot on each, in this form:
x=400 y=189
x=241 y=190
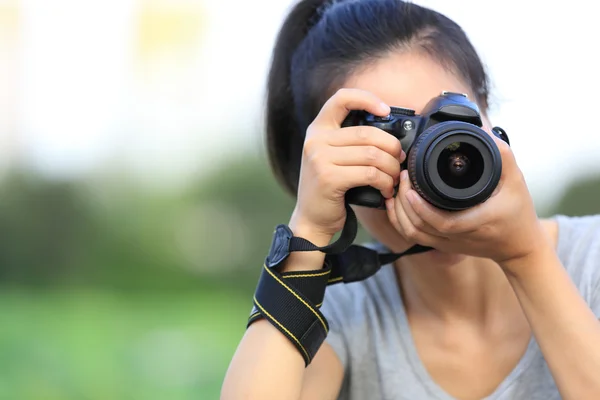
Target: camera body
x=452 y=162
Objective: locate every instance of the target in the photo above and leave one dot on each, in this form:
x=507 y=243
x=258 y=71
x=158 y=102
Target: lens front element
x=460 y=165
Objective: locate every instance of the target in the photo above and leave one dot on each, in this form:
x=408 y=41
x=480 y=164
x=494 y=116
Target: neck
x=454 y=288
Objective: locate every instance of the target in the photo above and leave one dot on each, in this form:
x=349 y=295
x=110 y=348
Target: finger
x=418 y=222
x=366 y=156
x=408 y=231
x=355 y=176
x=391 y=213
x=446 y=223
x=366 y=136
x=336 y=109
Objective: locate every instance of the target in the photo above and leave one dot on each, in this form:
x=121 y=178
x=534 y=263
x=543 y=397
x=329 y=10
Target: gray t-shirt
x=370 y=334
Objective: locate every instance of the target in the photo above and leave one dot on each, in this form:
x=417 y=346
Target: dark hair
x=322 y=42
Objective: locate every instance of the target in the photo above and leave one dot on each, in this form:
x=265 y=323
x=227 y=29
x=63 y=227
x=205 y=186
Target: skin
x=465 y=318
x=473 y=304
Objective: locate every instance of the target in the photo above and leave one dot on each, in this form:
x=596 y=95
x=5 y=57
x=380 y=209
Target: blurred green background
x=136 y=204
x=109 y=292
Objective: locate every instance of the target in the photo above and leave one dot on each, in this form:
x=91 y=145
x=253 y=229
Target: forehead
x=407 y=79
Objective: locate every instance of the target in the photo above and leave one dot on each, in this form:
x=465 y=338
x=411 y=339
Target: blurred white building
x=167 y=89
x=9 y=72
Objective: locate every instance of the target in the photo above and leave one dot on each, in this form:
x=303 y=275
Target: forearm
x=266 y=364
x=565 y=328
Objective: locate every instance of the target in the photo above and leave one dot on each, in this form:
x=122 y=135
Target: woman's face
x=408 y=80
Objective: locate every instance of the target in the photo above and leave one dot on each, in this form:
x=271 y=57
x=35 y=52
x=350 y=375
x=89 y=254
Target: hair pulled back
x=322 y=42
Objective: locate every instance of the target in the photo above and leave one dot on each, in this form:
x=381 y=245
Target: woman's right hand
x=336 y=159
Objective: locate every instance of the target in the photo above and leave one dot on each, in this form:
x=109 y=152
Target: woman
x=505 y=307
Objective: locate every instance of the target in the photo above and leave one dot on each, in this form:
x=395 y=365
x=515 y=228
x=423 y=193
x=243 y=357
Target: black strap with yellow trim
x=290 y=301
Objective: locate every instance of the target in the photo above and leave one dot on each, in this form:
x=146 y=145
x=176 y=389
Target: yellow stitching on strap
x=339 y=278
x=319 y=305
x=307 y=275
x=282 y=327
x=298 y=297
x=256 y=313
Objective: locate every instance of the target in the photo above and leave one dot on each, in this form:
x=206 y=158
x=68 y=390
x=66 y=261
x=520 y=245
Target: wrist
x=529 y=265
x=308 y=231
x=306 y=260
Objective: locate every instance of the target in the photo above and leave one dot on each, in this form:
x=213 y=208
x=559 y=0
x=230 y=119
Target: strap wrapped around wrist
x=291 y=301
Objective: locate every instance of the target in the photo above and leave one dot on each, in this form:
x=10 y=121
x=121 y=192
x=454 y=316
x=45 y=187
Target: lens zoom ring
x=412 y=167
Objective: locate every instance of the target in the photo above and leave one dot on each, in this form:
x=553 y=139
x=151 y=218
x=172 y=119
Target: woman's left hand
x=503 y=228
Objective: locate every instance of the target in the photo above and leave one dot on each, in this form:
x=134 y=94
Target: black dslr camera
x=452 y=163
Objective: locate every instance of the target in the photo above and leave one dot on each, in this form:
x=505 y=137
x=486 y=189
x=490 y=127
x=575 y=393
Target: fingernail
x=384 y=107
x=403 y=175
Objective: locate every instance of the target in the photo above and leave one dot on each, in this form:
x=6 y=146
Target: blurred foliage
x=582 y=197
x=64 y=234
x=108 y=291
x=74 y=345
x=250 y=204
x=114 y=235
x=44 y=228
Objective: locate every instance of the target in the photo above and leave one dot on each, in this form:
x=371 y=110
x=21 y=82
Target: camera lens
x=460 y=165
x=454 y=165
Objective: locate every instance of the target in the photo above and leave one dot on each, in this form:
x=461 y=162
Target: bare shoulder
x=324 y=376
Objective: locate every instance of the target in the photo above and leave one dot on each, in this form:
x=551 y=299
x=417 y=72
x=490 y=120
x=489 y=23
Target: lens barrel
x=454 y=165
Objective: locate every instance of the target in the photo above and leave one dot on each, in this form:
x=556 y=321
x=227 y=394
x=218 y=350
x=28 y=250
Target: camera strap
x=290 y=301
x=350 y=262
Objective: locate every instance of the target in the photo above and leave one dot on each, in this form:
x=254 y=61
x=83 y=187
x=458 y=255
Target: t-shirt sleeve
x=336 y=297
x=579 y=251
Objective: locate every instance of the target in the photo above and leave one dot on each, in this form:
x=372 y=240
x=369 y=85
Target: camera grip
x=366 y=196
